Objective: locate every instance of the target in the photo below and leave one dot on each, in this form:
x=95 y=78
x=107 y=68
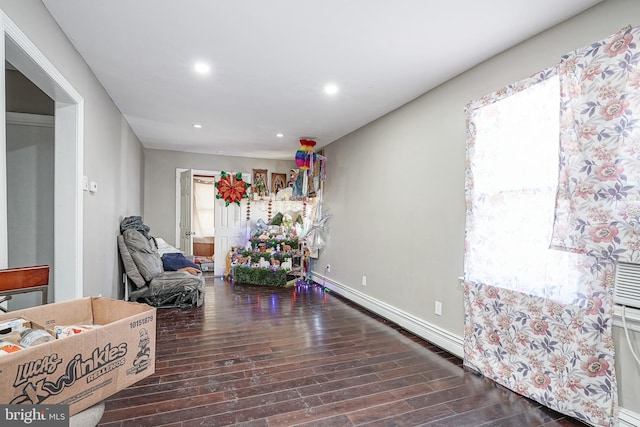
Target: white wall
x=160 y=181
x=112 y=154
x=30 y=202
x=396 y=189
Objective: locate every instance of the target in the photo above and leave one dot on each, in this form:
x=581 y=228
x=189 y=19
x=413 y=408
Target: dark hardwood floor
x=258 y=356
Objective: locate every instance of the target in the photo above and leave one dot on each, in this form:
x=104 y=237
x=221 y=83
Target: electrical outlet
x=328 y=268
x=364 y=280
x=438 y=308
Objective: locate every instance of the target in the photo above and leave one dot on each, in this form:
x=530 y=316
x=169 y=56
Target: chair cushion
x=144 y=255
x=130 y=267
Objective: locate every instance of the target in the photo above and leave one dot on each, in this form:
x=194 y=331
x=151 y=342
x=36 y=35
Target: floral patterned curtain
x=537 y=320
x=598 y=200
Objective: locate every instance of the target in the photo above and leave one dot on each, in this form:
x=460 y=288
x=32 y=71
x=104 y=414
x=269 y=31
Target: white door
x=232 y=229
x=186 y=208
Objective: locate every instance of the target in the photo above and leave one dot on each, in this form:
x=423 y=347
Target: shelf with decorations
x=285 y=228
x=274 y=254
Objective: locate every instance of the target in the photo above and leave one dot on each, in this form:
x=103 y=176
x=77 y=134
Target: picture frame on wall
x=278 y=182
x=260 y=182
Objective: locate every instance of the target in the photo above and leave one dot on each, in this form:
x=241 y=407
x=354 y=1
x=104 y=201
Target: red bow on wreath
x=231 y=189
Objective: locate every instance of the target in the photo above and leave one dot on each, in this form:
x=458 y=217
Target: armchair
x=146 y=280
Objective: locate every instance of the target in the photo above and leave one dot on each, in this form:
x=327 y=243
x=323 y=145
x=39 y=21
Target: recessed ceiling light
x=201 y=67
x=279 y=135
x=331 y=89
x=197 y=126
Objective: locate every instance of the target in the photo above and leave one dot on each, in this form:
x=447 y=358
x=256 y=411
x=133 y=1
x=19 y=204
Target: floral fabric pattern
x=537 y=321
x=598 y=199
x=560 y=355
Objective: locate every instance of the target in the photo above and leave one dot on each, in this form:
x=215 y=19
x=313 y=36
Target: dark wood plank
x=262 y=357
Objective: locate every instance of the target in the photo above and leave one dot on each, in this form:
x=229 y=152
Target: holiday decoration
x=317 y=235
x=231 y=189
x=305 y=154
x=248 y=210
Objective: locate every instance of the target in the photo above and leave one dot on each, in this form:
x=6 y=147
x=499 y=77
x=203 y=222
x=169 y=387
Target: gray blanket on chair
x=136 y=223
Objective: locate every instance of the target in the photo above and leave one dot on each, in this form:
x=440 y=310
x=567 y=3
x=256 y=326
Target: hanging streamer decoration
x=248 y=210
x=305 y=154
x=232 y=188
x=304 y=160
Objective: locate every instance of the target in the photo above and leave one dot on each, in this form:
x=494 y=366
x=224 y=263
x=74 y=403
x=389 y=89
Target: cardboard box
x=84 y=369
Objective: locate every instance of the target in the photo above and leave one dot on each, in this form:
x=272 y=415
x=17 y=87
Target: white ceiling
x=271 y=59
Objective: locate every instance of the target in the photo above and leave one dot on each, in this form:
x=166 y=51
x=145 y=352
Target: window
x=511 y=189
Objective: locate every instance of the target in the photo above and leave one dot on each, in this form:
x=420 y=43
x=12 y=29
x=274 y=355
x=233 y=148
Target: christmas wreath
x=231 y=188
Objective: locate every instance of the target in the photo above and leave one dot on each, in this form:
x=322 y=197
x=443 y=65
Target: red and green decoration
x=232 y=188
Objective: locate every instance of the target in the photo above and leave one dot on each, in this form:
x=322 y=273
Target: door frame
x=178 y=196
x=185 y=242
x=68 y=158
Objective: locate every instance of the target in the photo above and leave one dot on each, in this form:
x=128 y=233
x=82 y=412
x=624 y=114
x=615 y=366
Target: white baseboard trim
x=628 y=418
x=427 y=331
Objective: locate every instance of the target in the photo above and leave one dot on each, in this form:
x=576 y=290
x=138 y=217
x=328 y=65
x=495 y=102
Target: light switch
x=93 y=186
x=85 y=183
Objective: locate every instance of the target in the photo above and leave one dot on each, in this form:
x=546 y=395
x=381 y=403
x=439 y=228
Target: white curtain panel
x=204 y=197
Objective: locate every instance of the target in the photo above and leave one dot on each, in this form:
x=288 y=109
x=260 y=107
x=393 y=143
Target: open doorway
x=204 y=196
x=190 y=225
x=68 y=134
x=195 y=215
x=231 y=226
x=30 y=147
